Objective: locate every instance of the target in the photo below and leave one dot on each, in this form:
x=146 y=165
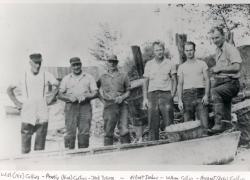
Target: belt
x=199 y=90
x=225 y=78
x=81 y=103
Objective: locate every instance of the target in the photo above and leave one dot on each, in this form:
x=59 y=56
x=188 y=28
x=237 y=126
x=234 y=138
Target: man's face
x=35 y=67
x=158 y=51
x=189 y=51
x=112 y=65
x=76 y=68
x=218 y=38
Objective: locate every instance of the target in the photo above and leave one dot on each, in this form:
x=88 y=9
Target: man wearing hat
x=114 y=89
x=34 y=110
x=76 y=90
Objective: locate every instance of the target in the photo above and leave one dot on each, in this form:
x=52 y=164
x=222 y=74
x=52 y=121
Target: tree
x=105 y=42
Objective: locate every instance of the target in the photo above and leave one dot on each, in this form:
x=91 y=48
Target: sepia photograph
x=124 y=86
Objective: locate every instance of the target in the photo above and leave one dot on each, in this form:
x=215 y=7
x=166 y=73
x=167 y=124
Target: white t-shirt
x=33 y=93
x=35 y=87
x=159 y=74
x=193 y=74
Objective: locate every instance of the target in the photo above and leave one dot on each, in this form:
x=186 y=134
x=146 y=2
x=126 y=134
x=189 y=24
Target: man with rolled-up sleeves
x=114 y=90
x=76 y=90
x=226 y=74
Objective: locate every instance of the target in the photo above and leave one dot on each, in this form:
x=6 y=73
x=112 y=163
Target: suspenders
x=26 y=85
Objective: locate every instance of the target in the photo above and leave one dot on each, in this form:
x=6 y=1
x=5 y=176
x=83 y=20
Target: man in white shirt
x=34 y=110
x=193 y=87
x=77 y=89
x=160 y=84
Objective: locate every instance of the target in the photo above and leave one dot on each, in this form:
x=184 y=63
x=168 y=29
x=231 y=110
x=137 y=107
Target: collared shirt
x=225 y=56
x=78 y=85
x=113 y=85
x=193 y=74
x=159 y=74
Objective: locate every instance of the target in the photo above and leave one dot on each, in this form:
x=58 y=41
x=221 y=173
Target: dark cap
x=36 y=57
x=75 y=60
x=112 y=57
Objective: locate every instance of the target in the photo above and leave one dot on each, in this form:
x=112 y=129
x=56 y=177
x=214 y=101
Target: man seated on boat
x=114 y=90
x=193 y=87
x=34 y=107
x=77 y=89
x=159 y=73
x=226 y=75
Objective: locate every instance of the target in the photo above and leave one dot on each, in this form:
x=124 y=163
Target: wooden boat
x=217 y=149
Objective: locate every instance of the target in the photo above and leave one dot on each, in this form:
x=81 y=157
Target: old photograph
x=124 y=86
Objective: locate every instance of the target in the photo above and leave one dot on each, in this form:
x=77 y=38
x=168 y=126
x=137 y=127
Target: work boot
x=216 y=129
x=125 y=139
x=108 y=141
x=218 y=116
x=83 y=141
x=69 y=143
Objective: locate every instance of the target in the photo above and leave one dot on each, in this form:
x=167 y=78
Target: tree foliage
x=229 y=16
x=104 y=41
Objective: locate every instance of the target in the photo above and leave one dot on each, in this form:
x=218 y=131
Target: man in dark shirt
x=114 y=89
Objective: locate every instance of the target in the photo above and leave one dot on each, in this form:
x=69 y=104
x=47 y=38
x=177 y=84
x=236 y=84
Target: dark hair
x=35 y=56
x=217 y=28
x=190 y=43
x=159 y=43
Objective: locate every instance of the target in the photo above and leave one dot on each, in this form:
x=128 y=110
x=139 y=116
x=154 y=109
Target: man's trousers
x=27 y=130
x=161 y=105
x=77 y=118
x=116 y=114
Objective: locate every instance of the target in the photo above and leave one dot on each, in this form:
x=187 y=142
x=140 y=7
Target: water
x=9 y=129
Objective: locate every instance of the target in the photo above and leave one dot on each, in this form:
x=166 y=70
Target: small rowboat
x=217 y=149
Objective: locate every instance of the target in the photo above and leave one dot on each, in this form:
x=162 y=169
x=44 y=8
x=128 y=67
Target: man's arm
x=145 y=93
x=174 y=86
x=93 y=91
x=62 y=95
x=207 y=87
x=233 y=68
x=180 y=90
x=66 y=97
x=12 y=96
x=92 y=95
x=126 y=94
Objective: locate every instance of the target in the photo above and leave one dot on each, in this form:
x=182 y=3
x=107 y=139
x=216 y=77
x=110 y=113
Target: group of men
x=78 y=88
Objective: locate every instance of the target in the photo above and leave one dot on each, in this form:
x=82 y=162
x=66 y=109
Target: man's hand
x=72 y=98
x=205 y=100
x=19 y=105
x=180 y=105
x=145 y=104
x=119 y=99
x=81 y=98
x=215 y=70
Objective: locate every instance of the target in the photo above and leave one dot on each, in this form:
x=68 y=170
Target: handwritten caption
x=19 y=175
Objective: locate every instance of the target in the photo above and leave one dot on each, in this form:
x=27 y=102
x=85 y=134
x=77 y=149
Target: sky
x=60 y=31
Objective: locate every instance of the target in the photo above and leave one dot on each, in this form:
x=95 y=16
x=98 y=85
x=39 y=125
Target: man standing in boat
x=114 y=90
x=159 y=73
x=34 y=108
x=193 y=87
x=226 y=75
x=76 y=90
